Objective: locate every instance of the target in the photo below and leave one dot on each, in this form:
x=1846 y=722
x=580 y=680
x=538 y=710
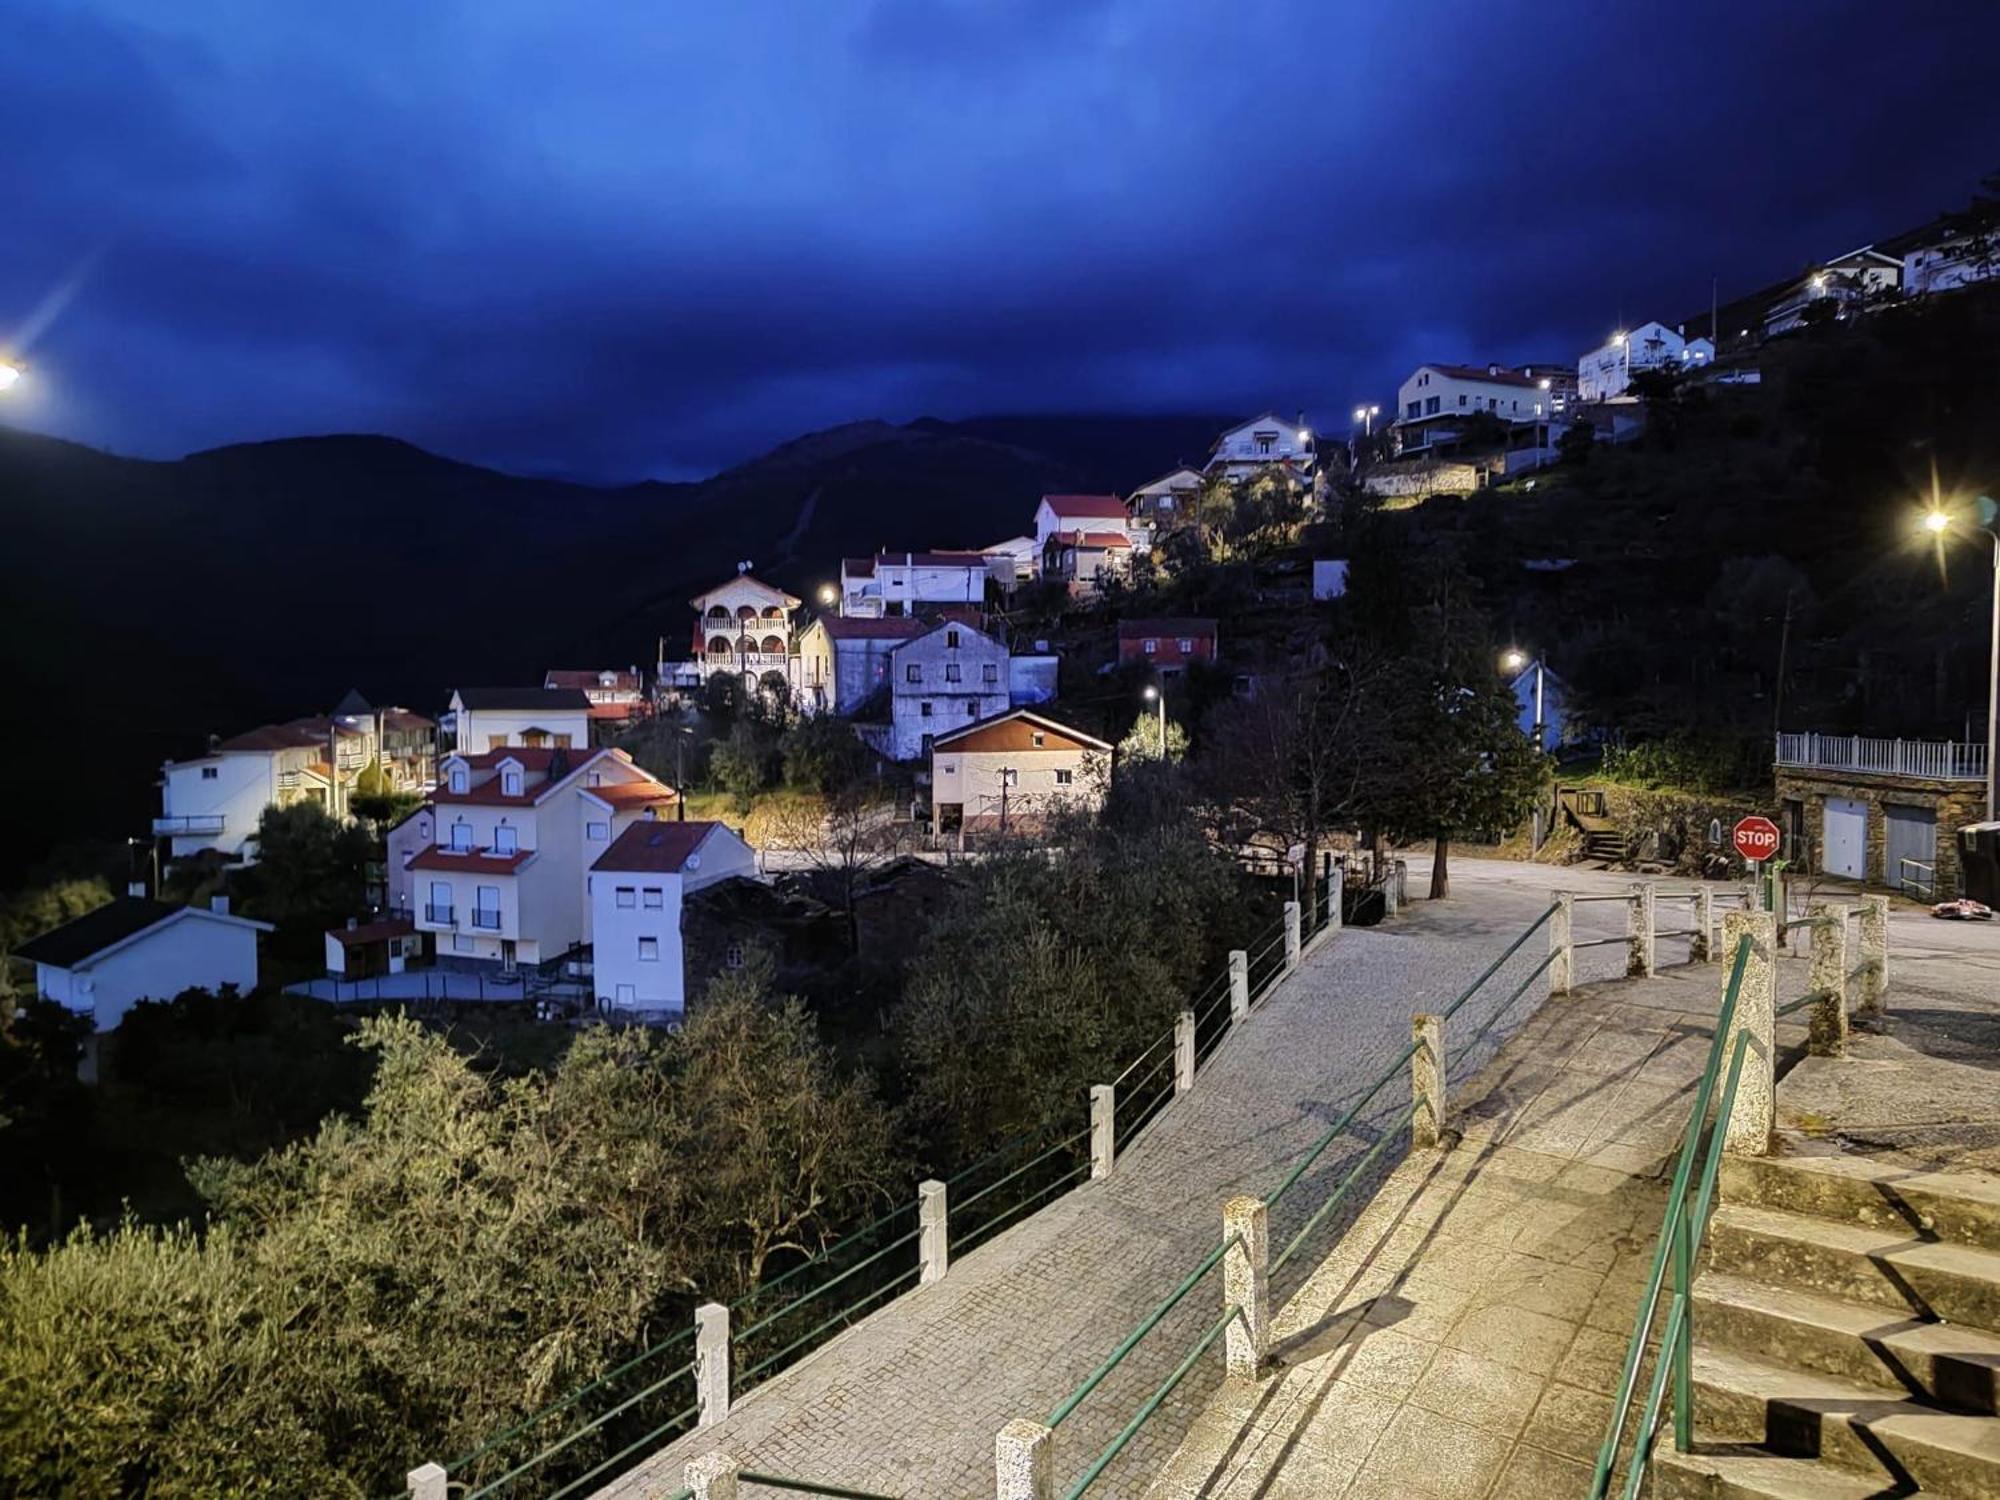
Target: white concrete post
x=933 y=1232
x=1562 y=944
x=1183 y=1052
x=1335 y=896
x=1103 y=1137
x=1246 y=1285
x=1871 y=1004
x=1828 y=979
x=713 y=1476
x=1427 y=1081
x=1291 y=936
x=1024 y=1462
x=428 y=1482
x=1402 y=883
x=711 y=1363
x=1389 y=893
x=1239 y=985
x=1639 y=929
x=1703 y=947
x=1748 y=1129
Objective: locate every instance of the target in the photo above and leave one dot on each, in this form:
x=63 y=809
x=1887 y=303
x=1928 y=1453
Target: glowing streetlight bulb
x=9 y=373
x=1513 y=661
x=828 y=594
x=1151 y=693
x=1936 y=520
x=1360 y=413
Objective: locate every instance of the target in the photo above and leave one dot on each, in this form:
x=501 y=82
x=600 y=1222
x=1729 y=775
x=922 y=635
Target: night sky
x=653 y=237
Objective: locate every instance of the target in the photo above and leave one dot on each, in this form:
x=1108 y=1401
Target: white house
x=843 y=659
x=497 y=718
x=617 y=694
x=1085 y=559
x=1165 y=500
x=1950 y=261
x=104 y=962
x=1846 y=282
x=1433 y=404
x=213 y=801
x=1250 y=447
x=745 y=626
x=1012 y=770
x=1073 y=513
x=894 y=583
x=636 y=890
x=493 y=866
x=944 y=679
x=1606 y=372
x=1013 y=561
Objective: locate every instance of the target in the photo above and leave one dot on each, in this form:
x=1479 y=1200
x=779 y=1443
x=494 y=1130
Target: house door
x=506 y=955
x=1913 y=837
x=1846 y=851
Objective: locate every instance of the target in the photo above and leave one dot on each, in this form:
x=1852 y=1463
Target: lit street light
x=1516 y=660
x=1366 y=416
x=1159 y=695
x=829 y=595
x=1938 y=521
x=10 y=373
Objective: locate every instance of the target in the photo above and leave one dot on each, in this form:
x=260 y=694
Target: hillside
x=148 y=604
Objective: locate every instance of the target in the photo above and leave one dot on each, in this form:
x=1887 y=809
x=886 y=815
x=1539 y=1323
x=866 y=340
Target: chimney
x=214 y=743
x=352 y=923
x=1492 y=369
x=135 y=888
x=219 y=905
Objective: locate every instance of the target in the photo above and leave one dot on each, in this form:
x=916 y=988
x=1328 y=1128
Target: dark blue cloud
x=647 y=237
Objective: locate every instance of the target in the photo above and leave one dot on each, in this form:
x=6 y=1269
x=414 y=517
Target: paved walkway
x=907 y=1403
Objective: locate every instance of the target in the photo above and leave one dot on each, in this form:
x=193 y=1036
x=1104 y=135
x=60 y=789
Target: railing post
x=1639 y=927
x=1828 y=979
x=1390 y=896
x=428 y=1482
x=934 y=1232
x=1562 y=943
x=1023 y=1462
x=1239 y=985
x=1183 y=1052
x=1748 y=1130
x=1427 y=1081
x=1292 y=944
x=1246 y=1285
x=1702 y=948
x=713 y=1476
x=711 y=1363
x=1336 y=886
x=1871 y=1006
x=1103 y=1120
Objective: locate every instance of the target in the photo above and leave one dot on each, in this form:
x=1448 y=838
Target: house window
x=209 y=773
x=597 y=832
x=461 y=781
x=462 y=943
x=924 y=709
x=1430 y=405
x=649 y=950
x=732 y=956
x=1493 y=403
x=1064 y=778
x=1187 y=646
x=654 y=897
x=625 y=994
x=486 y=907
x=972 y=708
x=951 y=639
x=947 y=767
x=913 y=673
x=461 y=837
x=596 y=778
x=627 y=896
x=510 y=782
x=1461 y=398
x=1415 y=408
x=990 y=672
x=952 y=672
x=506 y=840
x=1149 y=646
x=1037 y=738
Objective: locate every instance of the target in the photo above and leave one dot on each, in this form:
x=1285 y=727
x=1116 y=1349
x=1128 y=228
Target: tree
x=1143 y=740
x=1575 y=444
x=310 y=869
x=823 y=754
x=31 y=913
x=843 y=834
x=742 y=763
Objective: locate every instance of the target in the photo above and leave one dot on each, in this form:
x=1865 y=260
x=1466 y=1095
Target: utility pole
x=1784 y=650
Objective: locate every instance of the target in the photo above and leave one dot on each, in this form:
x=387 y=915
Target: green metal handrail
x=1390 y=1132
x=1152 y=1404
x=582 y=1432
x=1494 y=968
x=1649 y=1302
x=807 y=1487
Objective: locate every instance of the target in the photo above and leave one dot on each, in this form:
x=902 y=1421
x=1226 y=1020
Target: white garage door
x=1846 y=851
x=1912 y=837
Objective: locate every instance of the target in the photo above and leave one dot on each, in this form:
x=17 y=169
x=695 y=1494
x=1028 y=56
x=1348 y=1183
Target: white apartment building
x=1434 y=403
x=493 y=866
x=106 y=961
x=1252 y=446
x=745 y=626
x=894 y=583
x=638 y=962
x=214 y=801
x=1165 y=500
x=843 y=659
x=1948 y=263
x=942 y=680
x=1071 y=513
x=532 y=717
x=1845 y=281
x=1014 y=561
x=1011 y=771
x=1605 y=373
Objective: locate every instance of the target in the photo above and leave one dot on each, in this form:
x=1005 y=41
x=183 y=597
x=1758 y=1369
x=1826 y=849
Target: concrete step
x=1947 y=1364
x=1960 y=1207
x=1863 y=1429
x=1924 y=1278
x=1754 y=1475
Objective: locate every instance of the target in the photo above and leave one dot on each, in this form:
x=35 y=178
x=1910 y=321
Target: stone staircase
x=1847 y=1335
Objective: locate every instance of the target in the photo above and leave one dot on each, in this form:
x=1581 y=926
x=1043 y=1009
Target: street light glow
x=1514 y=660
x=9 y=373
x=1151 y=692
x=1360 y=413
x=828 y=594
x=1937 y=520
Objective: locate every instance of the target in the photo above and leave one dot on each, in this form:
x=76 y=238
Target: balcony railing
x=487 y=919
x=439 y=916
x=198 y=824
x=1930 y=760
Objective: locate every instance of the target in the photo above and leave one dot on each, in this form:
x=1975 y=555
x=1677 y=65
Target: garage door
x=1846 y=851
x=1912 y=836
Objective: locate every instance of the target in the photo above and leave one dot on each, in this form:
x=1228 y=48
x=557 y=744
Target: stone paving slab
x=907 y=1402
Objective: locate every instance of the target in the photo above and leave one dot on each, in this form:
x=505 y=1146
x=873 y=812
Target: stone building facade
x=1869 y=803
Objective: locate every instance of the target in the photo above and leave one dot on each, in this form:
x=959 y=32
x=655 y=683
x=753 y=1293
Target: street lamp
x=1938 y=521
x=1156 y=694
x=1366 y=416
x=9 y=374
x=1516 y=660
x=153 y=846
x=829 y=595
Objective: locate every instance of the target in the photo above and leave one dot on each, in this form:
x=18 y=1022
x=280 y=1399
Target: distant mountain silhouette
x=150 y=603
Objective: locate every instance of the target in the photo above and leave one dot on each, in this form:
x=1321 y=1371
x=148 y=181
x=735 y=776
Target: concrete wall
x=1955 y=803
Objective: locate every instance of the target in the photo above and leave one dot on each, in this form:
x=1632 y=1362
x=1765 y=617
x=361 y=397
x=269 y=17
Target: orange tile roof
x=1088 y=507
x=655 y=846
x=476 y=862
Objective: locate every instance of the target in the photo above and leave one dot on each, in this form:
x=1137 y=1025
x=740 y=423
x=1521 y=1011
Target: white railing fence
x=1934 y=760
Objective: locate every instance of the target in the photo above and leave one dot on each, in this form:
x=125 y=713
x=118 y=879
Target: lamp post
x=1159 y=695
x=1366 y=416
x=1514 y=661
x=1938 y=521
x=153 y=847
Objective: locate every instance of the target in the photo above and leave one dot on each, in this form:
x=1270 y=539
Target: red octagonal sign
x=1756 y=838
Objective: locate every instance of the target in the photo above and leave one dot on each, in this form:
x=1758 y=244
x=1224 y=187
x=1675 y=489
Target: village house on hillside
x=1163 y=502
x=1436 y=401
x=943 y=679
x=638 y=888
x=844 y=659
x=1168 y=645
x=617 y=695
x=1014 y=561
x=1010 y=772
x=1605 y=373
x=745 y=626
x=896 y=583
x=493 y=718
x=1252 y=447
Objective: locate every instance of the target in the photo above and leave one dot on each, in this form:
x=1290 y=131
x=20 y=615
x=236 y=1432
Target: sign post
x=1756 y=839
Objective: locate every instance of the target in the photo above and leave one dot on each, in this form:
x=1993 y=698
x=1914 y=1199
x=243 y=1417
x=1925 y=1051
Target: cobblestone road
x=907 y=1403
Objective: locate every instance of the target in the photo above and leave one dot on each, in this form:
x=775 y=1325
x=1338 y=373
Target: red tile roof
x=1133 y=630
x=1089 y=507
x=858 y=567
x=655 y=846
x=632 y=710
x=1102 y=540
x=632 y=793
x=372 y=932
x=477 y=862
x=859 y=628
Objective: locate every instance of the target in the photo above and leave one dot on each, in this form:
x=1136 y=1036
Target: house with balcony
x=1436 y=401
x=1057 y=514
x=496 y=718
x=1015 y=561
x=844 y=659
x=1605 y=373
x=492 y=869
x=214 y=801
x=747 y=627
x=1882 y=812
x=1167 y=501
x=1086 y=560
x=946 y=678
x=1167 y=645
x=638 y=889
x=899 y=583
x=1010 y=772
x=404 y=742
x=617 y=695
x=1253 y=447
x=1846 y=284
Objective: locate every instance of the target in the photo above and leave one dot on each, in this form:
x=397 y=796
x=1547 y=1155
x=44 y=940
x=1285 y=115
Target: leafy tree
x=1574 y=446
x=844 y=835
x=743 y=763
x=311 y=870
x=31 y=913
x=1143 y=741
x=823 y=754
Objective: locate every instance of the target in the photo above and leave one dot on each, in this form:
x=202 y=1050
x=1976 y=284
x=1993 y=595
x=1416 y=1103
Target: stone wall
x=1956 y=803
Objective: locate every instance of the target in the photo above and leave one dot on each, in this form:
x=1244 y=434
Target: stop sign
x=1756 y=838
